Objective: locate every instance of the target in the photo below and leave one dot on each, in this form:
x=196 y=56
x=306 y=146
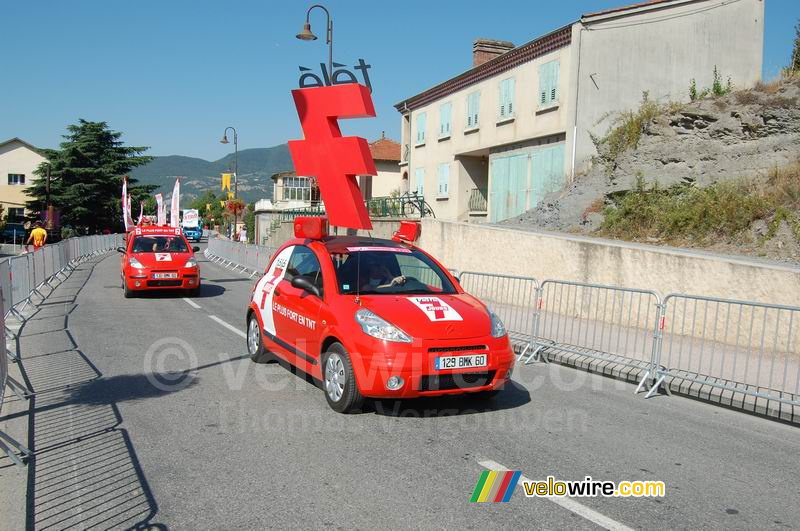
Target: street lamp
x=307 y=35
x=235 y=166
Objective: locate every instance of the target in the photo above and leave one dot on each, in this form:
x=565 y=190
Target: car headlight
x=135 y=263
x=374 y=326
x=191 y=262
x=498 y=329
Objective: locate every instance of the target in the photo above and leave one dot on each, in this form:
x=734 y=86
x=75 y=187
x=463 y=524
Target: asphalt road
x=149 y=413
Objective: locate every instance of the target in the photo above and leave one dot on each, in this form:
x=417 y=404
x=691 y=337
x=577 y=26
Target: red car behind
x=158 y=258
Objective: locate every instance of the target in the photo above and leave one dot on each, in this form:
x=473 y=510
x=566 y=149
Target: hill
x=256 y=166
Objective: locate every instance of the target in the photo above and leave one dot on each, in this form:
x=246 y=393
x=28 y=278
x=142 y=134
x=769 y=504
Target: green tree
x=794 y=65
x=86 y=177
x=215 y=212
x=250 y=222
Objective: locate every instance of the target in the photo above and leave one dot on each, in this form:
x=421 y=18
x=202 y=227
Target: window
x=376 y=271
x=548 y=84
x=507 y=98
x=445 y=113
x=473 y=105
x=304 y=263
x=419 y=178
x=159 y=244
x=421 y=119
x=16 y=178
x=296 y=189
x=444 y=180
x=15 y=214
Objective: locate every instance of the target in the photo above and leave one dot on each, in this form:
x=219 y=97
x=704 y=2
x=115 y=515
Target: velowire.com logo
x=495 y=486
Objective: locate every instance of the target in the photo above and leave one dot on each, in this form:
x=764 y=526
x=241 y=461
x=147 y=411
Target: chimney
x=486 y=49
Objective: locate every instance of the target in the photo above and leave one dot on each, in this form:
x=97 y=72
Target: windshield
x=389 y=271
x=159 y=244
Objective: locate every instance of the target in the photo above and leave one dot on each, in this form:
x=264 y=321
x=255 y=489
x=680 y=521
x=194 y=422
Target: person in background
x=243 y=235
x=38 y=236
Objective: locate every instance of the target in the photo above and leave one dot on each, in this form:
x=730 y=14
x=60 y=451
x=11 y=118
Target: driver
x=374 y=275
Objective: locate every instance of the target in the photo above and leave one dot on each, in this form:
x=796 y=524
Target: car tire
x=339 y=380
x=128 y=292
x=255 y=343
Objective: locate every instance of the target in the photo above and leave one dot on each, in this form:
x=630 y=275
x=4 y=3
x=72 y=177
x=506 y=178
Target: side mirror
x=195 y=249
x=303 y=283
x=121 y=250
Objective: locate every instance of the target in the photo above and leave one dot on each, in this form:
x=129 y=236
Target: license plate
x=461 y=362
x=165 y=275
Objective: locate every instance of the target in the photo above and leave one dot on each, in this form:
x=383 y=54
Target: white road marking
x=228 y=326
x=191 y=303
x=567 y=503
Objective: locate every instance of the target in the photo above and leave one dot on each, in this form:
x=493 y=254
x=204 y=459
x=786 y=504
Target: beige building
x=18 y=160
x=390 y=179
x=491 y=142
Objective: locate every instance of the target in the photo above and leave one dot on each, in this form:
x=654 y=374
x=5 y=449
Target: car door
x=297 y=311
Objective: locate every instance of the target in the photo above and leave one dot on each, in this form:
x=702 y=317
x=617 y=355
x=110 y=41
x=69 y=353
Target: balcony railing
x=477 y=200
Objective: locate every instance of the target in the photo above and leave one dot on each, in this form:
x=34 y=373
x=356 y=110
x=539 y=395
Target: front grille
x=457 y=349
x=164 y=283
x=449 y=382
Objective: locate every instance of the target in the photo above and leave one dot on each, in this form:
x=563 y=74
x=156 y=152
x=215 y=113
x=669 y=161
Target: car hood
x=458 y=316
x=163 y=260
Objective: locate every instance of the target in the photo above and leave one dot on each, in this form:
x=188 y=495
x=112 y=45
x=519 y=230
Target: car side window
x=305 y=263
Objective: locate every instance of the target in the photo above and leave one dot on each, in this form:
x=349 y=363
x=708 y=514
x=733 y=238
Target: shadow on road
x=513 y=396
x=84 y=471
x=206 y=291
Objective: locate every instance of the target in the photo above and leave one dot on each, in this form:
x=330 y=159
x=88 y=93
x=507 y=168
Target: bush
x=626 y=130
x=684 y=213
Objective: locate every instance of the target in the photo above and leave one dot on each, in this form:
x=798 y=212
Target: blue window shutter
x=421 y=127
x=503 y=97
x=544 y=84
x=510 y=96
x=419 y=176
x=554 y=81
x=477 y=108
x=473 y=103
x=444 y=177
x=444 y=119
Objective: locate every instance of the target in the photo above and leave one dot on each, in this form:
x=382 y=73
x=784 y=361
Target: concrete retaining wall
x=472 y=247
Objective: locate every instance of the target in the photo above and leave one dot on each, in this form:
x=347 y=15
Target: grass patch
x=686 y=214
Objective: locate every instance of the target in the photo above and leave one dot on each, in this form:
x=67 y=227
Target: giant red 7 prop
x=333 y=159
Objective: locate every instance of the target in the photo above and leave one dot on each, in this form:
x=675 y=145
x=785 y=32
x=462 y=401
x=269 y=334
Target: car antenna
x=358 y=278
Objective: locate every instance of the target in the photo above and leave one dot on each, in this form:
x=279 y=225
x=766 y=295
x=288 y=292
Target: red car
x=374 y=318
x=158 y=258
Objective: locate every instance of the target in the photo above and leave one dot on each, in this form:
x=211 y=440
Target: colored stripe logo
x=495 y=486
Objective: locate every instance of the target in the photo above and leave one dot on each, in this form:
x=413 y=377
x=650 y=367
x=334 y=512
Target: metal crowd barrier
x=22 y=279
x=512 y=298
x=740 y=346
x=245 y=258
x=606 y=323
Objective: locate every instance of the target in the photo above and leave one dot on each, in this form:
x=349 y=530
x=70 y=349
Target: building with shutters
x=18 y=161
x=490 y=143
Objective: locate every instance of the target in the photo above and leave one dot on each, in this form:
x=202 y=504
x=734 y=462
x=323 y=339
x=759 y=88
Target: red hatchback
x=158 y=258
x=375 y=318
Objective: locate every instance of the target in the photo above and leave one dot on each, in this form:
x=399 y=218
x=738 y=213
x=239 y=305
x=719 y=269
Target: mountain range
x=256 y=166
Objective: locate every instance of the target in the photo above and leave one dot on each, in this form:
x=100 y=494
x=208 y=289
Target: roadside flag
x=125 y=203
x=141 y=213
x=175 y=204
x=161 y=213
x=230 y=195
x=226 y=181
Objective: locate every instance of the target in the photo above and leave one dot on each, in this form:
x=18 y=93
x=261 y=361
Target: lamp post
x=307 y=35
x=235 y=166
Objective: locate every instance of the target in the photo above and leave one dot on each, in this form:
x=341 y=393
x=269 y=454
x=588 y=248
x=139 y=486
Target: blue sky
x=172 y=74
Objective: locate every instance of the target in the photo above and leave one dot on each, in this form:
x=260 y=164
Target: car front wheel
x=339 y=381
x=255 y=347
